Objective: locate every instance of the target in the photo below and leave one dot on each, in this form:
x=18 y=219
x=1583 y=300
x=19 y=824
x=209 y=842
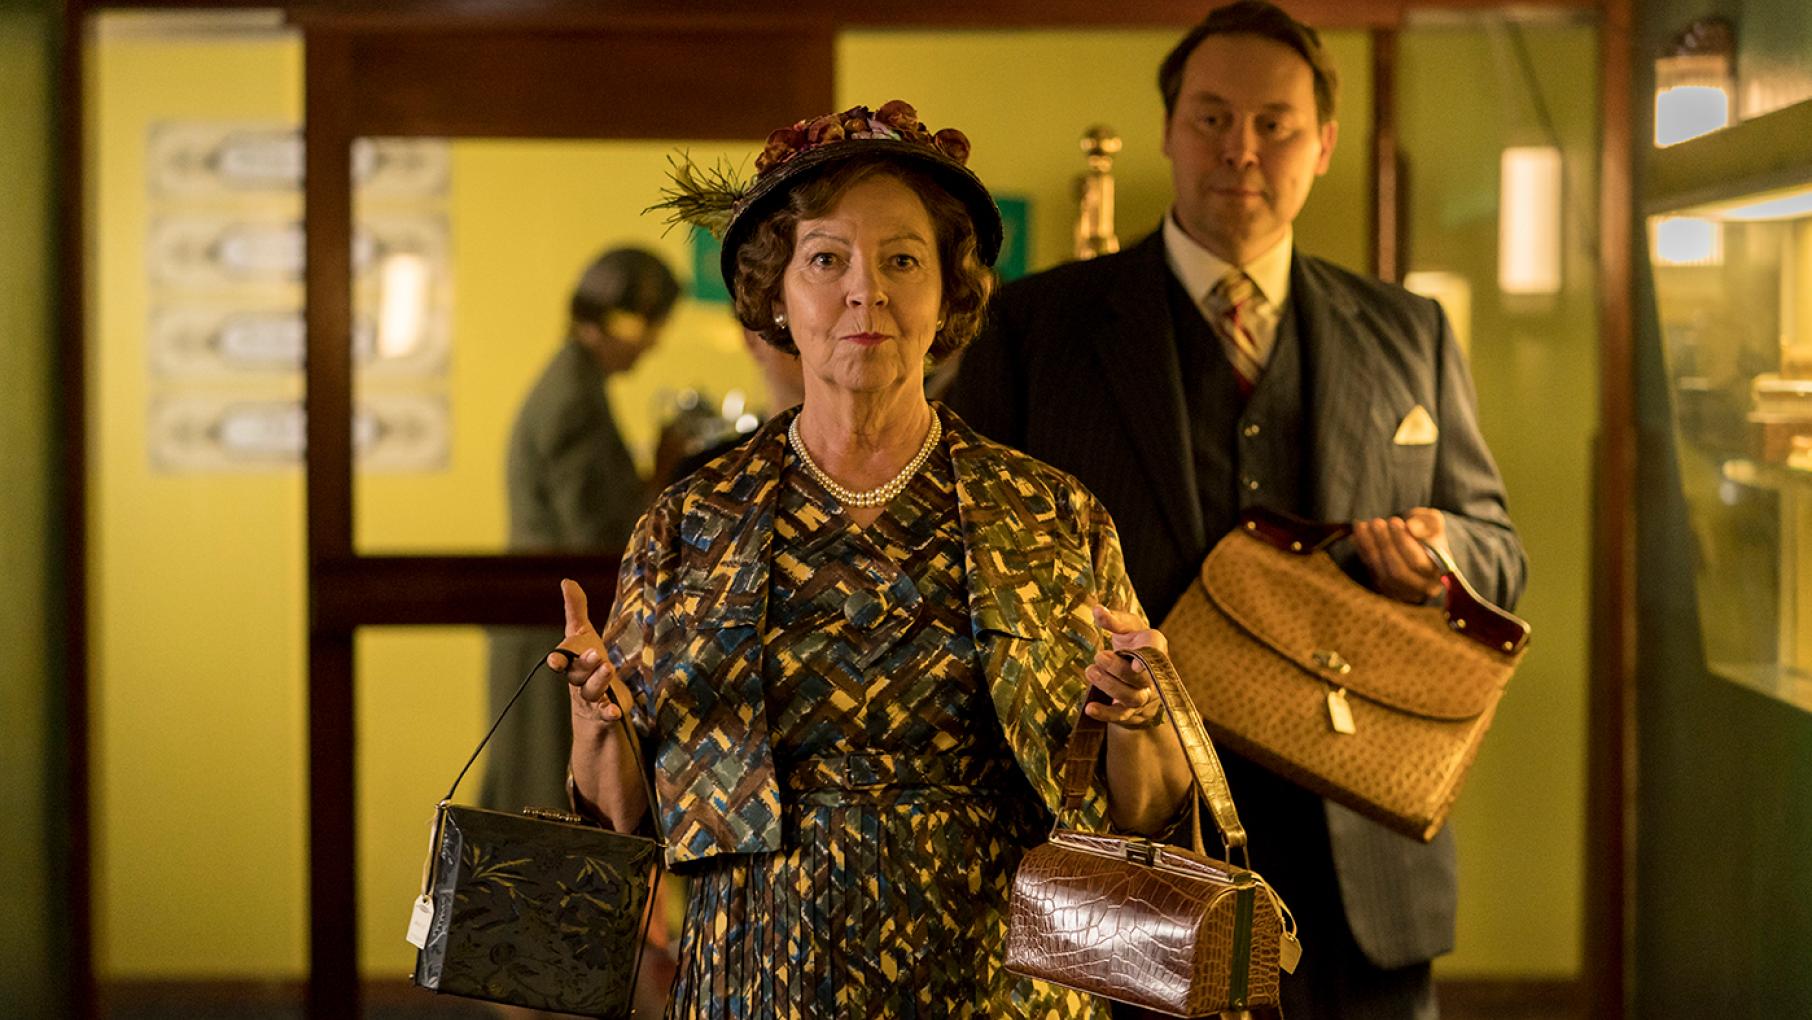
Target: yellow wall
x=1520 y=821
x=196 y=618
x=198 y=615
x=198 y=610
x=526 y=217
x=1025 y=98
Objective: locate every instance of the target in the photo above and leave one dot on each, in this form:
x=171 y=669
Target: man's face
x=1244 y=144
x=620 y=339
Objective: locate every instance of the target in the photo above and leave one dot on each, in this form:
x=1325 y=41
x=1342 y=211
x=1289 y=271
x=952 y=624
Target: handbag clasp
x=1332 y=661
x=1142 y=851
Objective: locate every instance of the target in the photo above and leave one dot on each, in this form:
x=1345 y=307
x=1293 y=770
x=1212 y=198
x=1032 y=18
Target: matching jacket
x=686 y=631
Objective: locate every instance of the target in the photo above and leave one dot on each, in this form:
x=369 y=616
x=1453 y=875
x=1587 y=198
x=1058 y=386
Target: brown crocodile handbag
x=1374 y=703
x=1157 y=926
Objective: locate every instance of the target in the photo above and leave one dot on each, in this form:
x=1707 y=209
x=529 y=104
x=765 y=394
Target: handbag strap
x=1204 y=765
x=628 y=731
x=1470 y=614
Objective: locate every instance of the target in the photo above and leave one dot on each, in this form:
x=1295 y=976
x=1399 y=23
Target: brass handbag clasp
x=1331 y=661
x=1142 y=851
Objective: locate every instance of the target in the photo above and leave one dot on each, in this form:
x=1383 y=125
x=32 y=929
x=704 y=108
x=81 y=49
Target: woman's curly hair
x=761 y=263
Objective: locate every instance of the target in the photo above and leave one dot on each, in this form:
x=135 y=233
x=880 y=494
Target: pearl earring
x=780 y=319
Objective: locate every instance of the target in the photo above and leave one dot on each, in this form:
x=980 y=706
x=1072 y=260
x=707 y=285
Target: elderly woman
x=856 y=645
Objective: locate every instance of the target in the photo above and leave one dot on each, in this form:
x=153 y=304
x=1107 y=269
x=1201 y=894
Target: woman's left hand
x=1135 y=703
x=1147 y=771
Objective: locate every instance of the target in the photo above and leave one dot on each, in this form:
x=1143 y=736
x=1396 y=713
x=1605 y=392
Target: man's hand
x=1392 y=549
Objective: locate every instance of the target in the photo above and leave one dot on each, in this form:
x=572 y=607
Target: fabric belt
x=873 y=771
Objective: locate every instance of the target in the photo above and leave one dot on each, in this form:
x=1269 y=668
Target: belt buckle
x=861 y=771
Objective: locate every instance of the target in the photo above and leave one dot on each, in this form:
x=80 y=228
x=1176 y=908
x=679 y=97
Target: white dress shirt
x=1199 y=269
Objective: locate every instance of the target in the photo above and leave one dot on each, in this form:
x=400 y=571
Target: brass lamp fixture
x=1095 y=194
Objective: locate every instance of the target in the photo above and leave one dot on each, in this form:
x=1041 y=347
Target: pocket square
x=1417 y=429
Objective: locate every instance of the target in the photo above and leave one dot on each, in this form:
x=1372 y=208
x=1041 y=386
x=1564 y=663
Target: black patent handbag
x=541 y=909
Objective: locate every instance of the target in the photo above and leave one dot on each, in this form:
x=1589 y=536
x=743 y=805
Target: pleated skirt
x=890 y=906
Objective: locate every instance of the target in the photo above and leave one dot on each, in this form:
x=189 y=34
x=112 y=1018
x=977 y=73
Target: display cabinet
x=1731 y=251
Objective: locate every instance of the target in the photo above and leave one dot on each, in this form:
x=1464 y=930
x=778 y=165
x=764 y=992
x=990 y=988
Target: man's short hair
x=624 y=279
x=1267 y=21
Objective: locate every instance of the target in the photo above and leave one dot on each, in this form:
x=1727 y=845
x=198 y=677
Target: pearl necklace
x=886 y=491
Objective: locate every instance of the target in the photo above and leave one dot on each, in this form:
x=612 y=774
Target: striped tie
x=1230 y=305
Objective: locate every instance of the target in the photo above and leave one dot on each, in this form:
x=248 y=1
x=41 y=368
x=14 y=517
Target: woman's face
x=864 y=292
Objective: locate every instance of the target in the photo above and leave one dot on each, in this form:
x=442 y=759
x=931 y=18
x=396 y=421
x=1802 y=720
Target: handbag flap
x=1307 y=610
x=541 y=834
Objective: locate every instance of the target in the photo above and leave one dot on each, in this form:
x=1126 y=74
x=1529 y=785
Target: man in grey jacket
x=1242 y=371
x=573 y=487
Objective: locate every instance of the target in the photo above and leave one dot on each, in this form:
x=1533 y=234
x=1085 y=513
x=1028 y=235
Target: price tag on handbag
x=422 y=917
x=1340 y=714
x=420 y=920
x=1289 y=952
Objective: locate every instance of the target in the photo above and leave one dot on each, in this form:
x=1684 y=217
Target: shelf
x=1760 y=154
x=1774 y=477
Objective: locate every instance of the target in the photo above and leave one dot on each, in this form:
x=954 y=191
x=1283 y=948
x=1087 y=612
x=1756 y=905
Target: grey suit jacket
x=572 y=483
x=1079 y=368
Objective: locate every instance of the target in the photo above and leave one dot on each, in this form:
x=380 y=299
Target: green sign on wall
x=707 y=273
x=1016 y=245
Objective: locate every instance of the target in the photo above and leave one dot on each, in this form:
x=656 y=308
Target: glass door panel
x=467 y=255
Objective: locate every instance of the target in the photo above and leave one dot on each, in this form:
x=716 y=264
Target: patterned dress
x=904 y=815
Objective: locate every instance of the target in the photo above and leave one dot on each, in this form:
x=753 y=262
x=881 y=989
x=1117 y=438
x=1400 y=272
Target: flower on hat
x=823 y=130
x=709 y=198
x=899 y=115
x=896 y=120
x=952 y=143
x=781 y=146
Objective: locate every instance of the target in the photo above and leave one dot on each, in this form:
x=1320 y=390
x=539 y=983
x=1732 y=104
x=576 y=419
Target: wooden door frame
x=403 y=78
x=1610 y=850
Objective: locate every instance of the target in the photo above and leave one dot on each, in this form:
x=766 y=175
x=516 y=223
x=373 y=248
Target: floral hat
x=714 y=199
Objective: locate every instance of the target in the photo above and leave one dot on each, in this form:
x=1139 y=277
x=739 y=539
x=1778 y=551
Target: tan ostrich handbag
x=1374 y=703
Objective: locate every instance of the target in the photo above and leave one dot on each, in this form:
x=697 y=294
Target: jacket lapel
x=1028 y=605
x=1340 y=348
x=712 y=680
x=1009 y=555
x=726 y=533
x=1139 y=352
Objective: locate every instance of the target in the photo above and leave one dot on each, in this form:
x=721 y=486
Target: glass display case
x=1733 y=279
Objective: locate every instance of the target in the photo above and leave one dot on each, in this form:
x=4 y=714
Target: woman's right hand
x=585 y=665
x=602 y=763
